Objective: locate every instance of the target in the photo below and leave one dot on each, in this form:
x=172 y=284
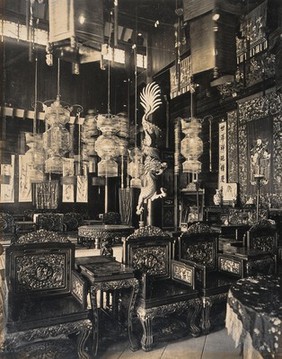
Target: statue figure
x=153 y=167
x=260 y=161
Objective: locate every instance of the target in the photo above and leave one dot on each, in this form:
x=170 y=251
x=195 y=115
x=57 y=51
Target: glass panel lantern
x=191 y=145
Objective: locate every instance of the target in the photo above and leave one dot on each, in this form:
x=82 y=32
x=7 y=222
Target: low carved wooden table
x=103 y=232
x=107 y=279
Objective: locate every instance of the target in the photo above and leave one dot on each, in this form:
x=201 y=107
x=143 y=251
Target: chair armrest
x=183 y=272
x=200 y=272
x=79 y=288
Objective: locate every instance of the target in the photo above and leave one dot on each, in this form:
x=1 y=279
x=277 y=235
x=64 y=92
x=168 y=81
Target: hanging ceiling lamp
x=191 y=146
x=35 y=156
x=107 y=145
x=89 y=134
x=56 y=140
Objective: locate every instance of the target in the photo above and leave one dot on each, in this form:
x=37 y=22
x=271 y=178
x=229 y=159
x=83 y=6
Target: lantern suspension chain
x=58 y=79
x=35 y=94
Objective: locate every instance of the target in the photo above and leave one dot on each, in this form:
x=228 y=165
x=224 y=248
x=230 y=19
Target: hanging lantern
x=123 y=125
x=107 y=145
x=35 y=154
x=56 y=140
x=191 y=146
x=89 y=133
x=34 y=157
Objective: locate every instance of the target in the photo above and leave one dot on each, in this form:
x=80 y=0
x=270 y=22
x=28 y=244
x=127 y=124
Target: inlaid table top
x=254 y=308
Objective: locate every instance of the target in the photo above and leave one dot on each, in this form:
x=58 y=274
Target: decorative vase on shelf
x=217 y=197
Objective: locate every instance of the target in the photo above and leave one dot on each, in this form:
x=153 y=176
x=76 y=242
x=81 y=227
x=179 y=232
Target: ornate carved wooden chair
x=51 y=221
x=72 y=220
x=111 y=218
x=199 y=247
x=46 y=297
x=8 y=228
x=167 y=286
x=263 y=236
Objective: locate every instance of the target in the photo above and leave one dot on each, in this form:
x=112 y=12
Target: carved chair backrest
x=262 y=236
x=41 y=236
x=199 y=245
x=148 y=231
x=50 y=221
x=111 y=218
x=7 y=223
x=39 y=269
x=72 y=220
x=149 y=255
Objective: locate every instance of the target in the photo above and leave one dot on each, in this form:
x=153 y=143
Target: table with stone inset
x=96 y=234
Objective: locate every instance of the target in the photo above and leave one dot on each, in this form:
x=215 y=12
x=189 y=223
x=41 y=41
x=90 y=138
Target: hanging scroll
x=185 y=78
x=46 y=195
x=68 y=188
x=25 y=192
x=82 y=189
x=7 y=194
x=222 y=163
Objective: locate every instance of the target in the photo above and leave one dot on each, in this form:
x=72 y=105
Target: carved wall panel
x=261 y=110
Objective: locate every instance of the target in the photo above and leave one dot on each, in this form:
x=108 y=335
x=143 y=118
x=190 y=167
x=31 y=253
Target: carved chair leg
x=132 y=339
x=81 y=343
x=193 y=317
x=147 y=337
x=206 y=323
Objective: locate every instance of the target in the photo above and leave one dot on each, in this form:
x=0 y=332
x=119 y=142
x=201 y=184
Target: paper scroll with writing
x=82 y=189
x=68 y=189
x=25 y=192
x=7 y=193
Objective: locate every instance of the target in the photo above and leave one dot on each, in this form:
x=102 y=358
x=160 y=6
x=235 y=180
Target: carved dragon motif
x=153 y=167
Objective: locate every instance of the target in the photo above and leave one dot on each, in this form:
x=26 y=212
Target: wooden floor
x=217 y=345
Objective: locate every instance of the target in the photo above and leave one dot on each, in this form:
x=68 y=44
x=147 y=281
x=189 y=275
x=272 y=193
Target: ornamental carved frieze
x=162 y=310
x=42 y=236
x=150 y=260
x=40 y=271
x=260 y=107
x=14 y=340
x=261 y=67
